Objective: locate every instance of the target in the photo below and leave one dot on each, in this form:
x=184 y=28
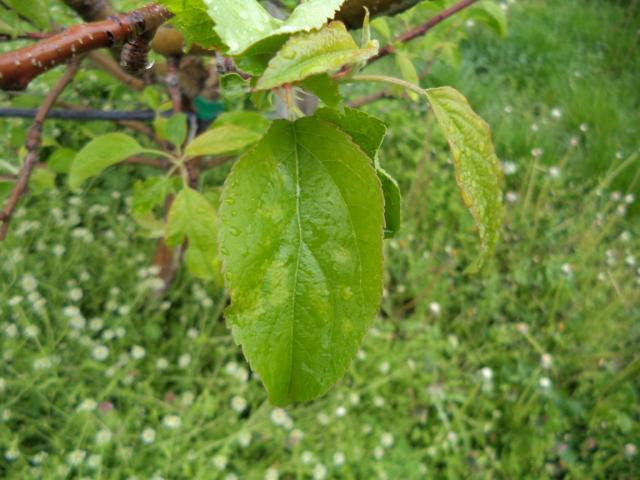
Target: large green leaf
x=249 y=120
x=325 y=88
x=478 y=171
x=99 y=154
x=313 y=53
x=36 y=11
x=222 y=140
x=301 y=242
x=193 y=217
x=366 y=131
x=243 y=23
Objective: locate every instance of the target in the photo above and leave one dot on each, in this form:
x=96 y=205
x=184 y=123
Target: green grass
x=529 y=370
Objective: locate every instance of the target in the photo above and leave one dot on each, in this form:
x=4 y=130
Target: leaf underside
x=478 y=172
x=301 y=242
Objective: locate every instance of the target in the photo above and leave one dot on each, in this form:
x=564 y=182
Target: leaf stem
x=389 y=80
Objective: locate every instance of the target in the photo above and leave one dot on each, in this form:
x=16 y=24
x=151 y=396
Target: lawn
x=527 y=370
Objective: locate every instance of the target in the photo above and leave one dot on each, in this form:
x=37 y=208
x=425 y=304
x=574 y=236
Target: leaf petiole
x=389 y=80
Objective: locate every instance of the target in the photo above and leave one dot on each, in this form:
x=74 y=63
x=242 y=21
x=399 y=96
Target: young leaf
x=491 y=15
x=223 y=140
x=192 y=19
x=366 y=131
x=99 y=154
x=173 y=128
x=61 y=159
x=478 y=171
x=301 y=241
x=313 y=53
x=193 y=217
x=392 y=203
x=408 y=71
x=148 y=195
x=325 y=88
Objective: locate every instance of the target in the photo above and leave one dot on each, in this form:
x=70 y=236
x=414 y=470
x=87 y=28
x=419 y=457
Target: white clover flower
x=42 y=363
x=28 y=282
x=615 y=196
x=535 y=127
x=630 y=450
x=546 y=361
x=220 y=461
x=487 y=374
x=15 y=300
x=244 y=439
x=100 y=353
x=509 y=168
x=3 y=384
x=192 y=333
x=238 y=404
x=384 y=368
x=172 y=421
x=307 y=457
x=75 y=294
x=386 y=440
x=522 y=327
x=124 y=310
x=452 y=437
x=511 y=197
x=629 y=198
x=77 y=322
x=378 y=453
x=76 y=457
x=242 y=375
x=87 y=405
x=148 y=436
x=361 y=355
x=279 y=417
x=96 y=324
x=231 y=476
x=354 y=398
x=138 y=352
x=103 y=436
x=339 y=459
x=323 y=419
x=162 y=363
x=378 y=402
x=295 y=437
x=12 y=454
x=31 y=331
x=10 y=330
x=584 y=127
x=319 y=472
x=184 y=360
x=554 y=172
x=556 y=113
x=435 y=308
x=341 y=411
x=187 y=399
x=545 y=383
x=567 y=269
x=272 y=473
x=94 y=461
x=537 y=152
x=508 y=109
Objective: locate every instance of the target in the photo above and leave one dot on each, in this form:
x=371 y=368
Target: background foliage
x=528 y=370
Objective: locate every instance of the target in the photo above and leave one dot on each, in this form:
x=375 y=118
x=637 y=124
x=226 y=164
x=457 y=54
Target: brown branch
x=421 y=30
x=34 y=140
x=19 y=67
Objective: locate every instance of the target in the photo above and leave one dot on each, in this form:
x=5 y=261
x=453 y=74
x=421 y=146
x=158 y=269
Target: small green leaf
x=478 y=171
x=366 y=131
x=148 y=196
x=301 y=240
x=173 y=128
x=99 y=154
x=61 y=159
x=313 y=53
x=234 y=90
x=223 y=140
x=194 y=218
x=325 y=88
x=392 y=203
x=41 y=180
